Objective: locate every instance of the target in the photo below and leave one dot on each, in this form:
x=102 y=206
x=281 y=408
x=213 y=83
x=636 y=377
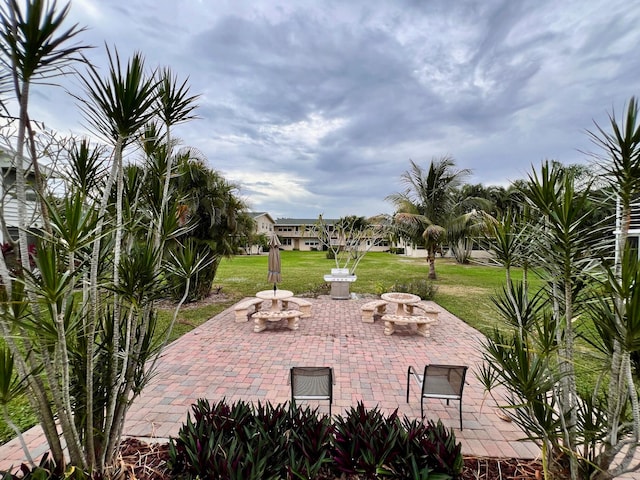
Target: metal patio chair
x=439 y=381
x=312 y=383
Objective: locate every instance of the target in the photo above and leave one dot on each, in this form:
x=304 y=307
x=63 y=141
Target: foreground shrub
x=429 y=451
x=45 y=470
x=269 y=442
x=310 y=447
x=366 y=441
x=246 y=442
x=212 y=443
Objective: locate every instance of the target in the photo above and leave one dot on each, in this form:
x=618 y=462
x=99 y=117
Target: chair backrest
x=312 y=383
x=444 y=381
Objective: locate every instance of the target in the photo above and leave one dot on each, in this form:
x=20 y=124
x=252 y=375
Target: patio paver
x=225 y=359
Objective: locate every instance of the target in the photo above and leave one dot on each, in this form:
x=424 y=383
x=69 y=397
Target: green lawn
x=464 y=290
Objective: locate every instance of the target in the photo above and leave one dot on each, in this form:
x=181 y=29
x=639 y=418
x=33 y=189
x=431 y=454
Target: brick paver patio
x=225 y=359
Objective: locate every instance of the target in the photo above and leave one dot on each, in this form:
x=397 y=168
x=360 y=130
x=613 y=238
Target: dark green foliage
x=311 y=442
x=366 y=441
x=272 y=427
x=45 y=470
x=516 y=306
x=429 y=451
x=211 y=214
x=204 y=444
x=425 y=289
x=289 y=442
x=232 y=442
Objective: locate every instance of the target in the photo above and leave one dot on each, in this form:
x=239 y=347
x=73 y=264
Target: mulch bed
x=144 y=461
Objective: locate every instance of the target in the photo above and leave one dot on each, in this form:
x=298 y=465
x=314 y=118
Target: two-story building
x=264 y=225
x=294 y=233
x=634 y=227
x=9 y=201
x=297 y=234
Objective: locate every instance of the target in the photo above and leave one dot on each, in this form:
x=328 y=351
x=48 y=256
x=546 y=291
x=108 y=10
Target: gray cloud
x=317 y=107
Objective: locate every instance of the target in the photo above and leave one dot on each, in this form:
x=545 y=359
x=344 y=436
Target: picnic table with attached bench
x=407 y=303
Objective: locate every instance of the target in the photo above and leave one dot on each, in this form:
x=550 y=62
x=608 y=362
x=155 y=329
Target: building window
x=633 y=245
x=286 y=241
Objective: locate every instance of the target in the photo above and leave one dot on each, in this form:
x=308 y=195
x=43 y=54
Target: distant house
x=294 y=233
x=264 y=226
x=634 y=228
x=264 y=222
x=9 y=201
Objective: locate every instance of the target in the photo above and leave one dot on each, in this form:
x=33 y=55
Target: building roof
x=302 y=221
x=8 y=161
x=255 y=215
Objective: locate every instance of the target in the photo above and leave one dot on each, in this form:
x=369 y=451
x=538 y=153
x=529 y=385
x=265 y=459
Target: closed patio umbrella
x=273 y=274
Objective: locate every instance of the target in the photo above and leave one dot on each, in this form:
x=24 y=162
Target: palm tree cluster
x=436 y=209
x=589 y=293
x=557 y=224
x=130 y=219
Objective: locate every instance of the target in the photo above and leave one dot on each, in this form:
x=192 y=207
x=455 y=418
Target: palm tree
x=175 y=106
x=427 y=205
x=621 y=164
x=35 y=46
x=117 y=107
x=214 y=212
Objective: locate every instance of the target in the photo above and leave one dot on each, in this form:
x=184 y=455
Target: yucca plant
x=580 y=433
x=87 y=318
x=34 y=46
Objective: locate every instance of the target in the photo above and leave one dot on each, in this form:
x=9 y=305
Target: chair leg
x=408 y=381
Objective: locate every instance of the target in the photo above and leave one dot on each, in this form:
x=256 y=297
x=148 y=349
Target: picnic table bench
x=374 y=307
x=263 y=316
x=246 y=308
x=426 y=308
x=303 y=305
x=422 y=322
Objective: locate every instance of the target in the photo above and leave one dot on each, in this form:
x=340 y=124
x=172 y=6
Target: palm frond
x=119 y=105
x=33 y=41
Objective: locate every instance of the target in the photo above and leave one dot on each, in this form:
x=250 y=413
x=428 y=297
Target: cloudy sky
x=317 y=106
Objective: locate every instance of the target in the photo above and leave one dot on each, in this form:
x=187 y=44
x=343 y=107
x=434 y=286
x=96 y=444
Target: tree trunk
x=431 y=258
